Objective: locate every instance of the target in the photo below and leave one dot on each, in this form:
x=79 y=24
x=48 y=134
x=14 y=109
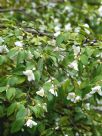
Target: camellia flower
x=100 y=11
x=68 y=27
x=76 y=50
x=52 y=91
x=3 y=49
x=30 y=123
x=19 y=43
x=29 y=74
x=40 y=92
x=74 y=65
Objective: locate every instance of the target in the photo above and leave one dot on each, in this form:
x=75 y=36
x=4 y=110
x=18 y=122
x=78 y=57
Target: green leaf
x=21 y=112
x=13 y=53
x=15 y=80
x=10 y=93
x=21 y=56
x=37 y=75
x=2 y=89
x=11 y=109
x=1 y=111
x=40 y=64
x=3 y=59
x=84 y=59
x=59 y=39
x=17 y=125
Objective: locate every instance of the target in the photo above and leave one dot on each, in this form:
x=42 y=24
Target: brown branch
x=34 y=31
x=11 y=9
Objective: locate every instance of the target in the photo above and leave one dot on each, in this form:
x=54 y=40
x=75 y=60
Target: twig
x=34 y=31
x=12 y=9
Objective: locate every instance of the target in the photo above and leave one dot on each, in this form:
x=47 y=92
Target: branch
x=11 y=9
x=34 y=31
x=20 y=9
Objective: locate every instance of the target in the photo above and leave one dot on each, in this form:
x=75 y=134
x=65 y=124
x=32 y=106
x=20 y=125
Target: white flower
x=56 y=20
x=77 y=30
x=96 y=89
x=45 y=107
x=29 y=74
x=99 y=55
x=76 y=50
x=1 y=40
x=71 y=96
x=100 y=11
x=19 y=43
x=68 y=27
x=30 y=123
x=87 y=31
x=57 y=33
x=33 y=4
x=3 y=49
x=68 y=8
x=86 y=25
x=57 y=28
x=79 y=82
x=52 y=91
x=87 y=96
x=41 y=92
x=77 y=99
x=74 y=65
x=87 y=106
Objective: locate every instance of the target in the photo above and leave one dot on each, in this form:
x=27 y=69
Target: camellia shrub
x=51 y=68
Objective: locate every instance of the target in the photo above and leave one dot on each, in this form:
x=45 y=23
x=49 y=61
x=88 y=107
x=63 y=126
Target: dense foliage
x=50 y=68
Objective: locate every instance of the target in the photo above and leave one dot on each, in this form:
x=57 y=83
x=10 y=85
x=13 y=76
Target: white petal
x=19 y=43
x=3 y=49
x=77 y=99
x=30 y=123
x=41 y=92
x=87 y=31
x=57 y=33
x=71 y=96
x=76 y=50
x=29 y=74
x=57 y=28
x=100 y=11
x=52 y=91
x=68 y=27
x=95 y=89
x=74 y=65
x=86 y=25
